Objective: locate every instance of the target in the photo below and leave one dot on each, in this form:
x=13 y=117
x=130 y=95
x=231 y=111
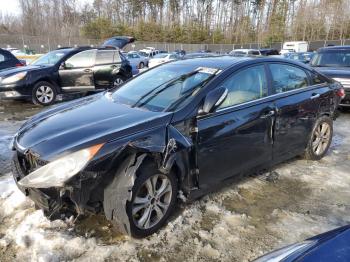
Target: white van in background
x=296 y=46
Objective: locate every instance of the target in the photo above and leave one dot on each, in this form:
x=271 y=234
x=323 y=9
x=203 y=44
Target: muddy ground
x=295 y=200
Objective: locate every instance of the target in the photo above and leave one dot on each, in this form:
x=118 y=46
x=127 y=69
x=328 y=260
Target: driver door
x=238 y=136
x=76 y=73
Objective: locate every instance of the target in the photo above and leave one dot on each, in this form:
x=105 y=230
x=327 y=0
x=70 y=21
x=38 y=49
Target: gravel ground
x=295 y=200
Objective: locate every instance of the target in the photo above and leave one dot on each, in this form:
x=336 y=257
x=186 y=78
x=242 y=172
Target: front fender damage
x=176 y=151
x=119 y=192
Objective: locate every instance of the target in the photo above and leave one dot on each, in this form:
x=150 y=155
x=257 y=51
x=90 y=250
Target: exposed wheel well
x=46 y=79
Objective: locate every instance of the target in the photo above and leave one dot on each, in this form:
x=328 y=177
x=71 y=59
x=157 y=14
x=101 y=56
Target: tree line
x=184 y=21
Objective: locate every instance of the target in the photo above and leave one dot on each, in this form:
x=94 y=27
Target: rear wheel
x=321 y=139
x=141 y=65
x=154 y=197
x=44 y=93
x=118 y=80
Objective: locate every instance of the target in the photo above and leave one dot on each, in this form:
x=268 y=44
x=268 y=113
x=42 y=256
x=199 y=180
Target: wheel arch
x=48 y=80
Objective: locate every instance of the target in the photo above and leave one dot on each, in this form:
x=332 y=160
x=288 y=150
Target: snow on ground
x=296 y=200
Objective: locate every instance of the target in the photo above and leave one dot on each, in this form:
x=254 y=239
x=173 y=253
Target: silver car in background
x=162 y=58
x=137 y=60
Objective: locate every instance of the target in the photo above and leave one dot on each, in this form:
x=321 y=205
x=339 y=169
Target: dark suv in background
x=334 y=62
x=67 y=70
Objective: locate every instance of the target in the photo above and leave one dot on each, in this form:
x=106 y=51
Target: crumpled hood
x=15 y=70
x=86 y=122
x=341 y=72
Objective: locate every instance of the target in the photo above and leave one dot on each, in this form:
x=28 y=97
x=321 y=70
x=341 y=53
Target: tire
x=320 y=139
x=146 y=174
x=141 y=65
x=44 y=93
x=118 y=80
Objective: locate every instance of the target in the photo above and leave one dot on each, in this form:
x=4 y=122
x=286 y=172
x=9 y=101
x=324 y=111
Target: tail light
x=19 y=64
x=341 y=93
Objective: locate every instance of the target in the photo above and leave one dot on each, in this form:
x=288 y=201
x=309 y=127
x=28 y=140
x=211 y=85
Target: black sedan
x=8 y=60
x=186 y=126
x=330 y=246
x=67 y=70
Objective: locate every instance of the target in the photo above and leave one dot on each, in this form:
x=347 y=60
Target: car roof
x=339 y=47
x=224 y=62
x=221 y=62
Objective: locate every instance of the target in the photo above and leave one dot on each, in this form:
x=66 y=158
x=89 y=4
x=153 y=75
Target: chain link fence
x=43 y=44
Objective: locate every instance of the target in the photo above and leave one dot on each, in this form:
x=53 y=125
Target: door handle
x=87 y=70
x=314 y=96
x=268 y=114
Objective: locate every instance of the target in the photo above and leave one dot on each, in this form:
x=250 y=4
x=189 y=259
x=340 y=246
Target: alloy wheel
x=321 y=138
x=152 y=201
x=118 y=81
x=44 y=94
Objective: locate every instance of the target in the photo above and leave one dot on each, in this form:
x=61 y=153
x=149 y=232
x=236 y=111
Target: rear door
x=237 y=137
x=77 y=73
x=107 y=65
x=297 y=103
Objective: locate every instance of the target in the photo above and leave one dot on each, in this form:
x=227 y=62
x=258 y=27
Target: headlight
x=280 y=254
x=14 y=78
x=56 y=173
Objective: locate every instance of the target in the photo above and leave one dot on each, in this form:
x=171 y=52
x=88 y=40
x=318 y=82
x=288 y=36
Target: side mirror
x=213 y=99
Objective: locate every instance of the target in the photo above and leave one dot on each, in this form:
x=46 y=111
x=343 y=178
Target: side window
x=286 y=77
x=317 y=79
x=104 y=57
x=2 y=58
x=82 y=59
x=118 y=57
x=246 y=85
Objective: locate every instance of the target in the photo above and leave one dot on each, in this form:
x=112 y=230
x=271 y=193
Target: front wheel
x=44 y=93
x=321 y=139
x=154 y=198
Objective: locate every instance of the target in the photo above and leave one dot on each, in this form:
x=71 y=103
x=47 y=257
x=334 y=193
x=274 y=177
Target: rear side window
x=104 y=57
x=2 y=58
x=317 y=79
x=246 y=85
x=117 y=57
x=286 y=77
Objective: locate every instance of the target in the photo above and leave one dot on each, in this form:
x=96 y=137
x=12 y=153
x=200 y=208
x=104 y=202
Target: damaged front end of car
x=103 y=184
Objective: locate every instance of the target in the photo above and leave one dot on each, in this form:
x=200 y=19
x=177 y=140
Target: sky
x=9 y=7
x=12 y=6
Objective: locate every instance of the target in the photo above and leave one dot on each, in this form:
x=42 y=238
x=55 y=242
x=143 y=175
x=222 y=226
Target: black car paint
x=59 y=76
x=118 y=41
x=329 y=246
x=9 y=60
x=195 y=147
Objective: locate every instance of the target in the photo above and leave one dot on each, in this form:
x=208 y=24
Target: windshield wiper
x=167 y=85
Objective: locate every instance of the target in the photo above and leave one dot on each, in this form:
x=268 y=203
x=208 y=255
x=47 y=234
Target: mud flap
x=119 y=192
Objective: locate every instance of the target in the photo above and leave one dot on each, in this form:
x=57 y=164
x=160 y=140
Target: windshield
x=51 y=58
x=336 y=58
x=165 y=88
